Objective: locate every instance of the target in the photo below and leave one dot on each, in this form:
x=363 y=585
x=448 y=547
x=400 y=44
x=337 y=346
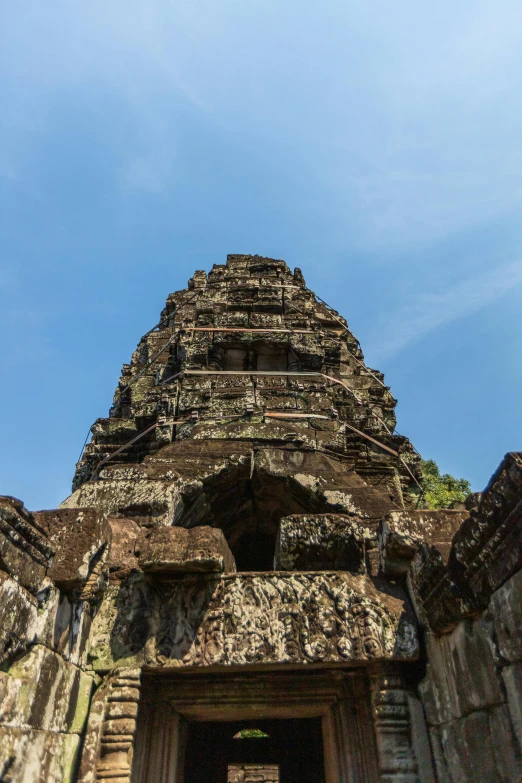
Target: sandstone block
x=29 y=756
x=461 y=676
x=19 y=617
x=177 y=550
x=119 y=710
x=468 y=748
x=439 y=758
x=441 y=596
x=502 y=558
x=253 y=773
x=42 y=691
x=25 y=552
x=512 y=676
x=320 y=542
x=488 y=544
x=78 y=536
x=401 y=532
x=420 y=740
x=474 y=751
x=506 y=613
x=243 y=618
x=122 y=559
x=67 y=624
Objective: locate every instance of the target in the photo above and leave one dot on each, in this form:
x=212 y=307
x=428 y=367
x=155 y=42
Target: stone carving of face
x=344 y=645
x=253 y=651
x=326 y=620
x=406 y=639
x=372 y=647
x=318 y=647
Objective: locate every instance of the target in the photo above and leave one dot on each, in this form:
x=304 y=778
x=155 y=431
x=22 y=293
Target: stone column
x=391 y=717
x=119 y=727
x=350 y=752
x=160 y=745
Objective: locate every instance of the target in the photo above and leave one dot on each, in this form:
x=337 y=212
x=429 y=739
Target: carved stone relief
x=242 y=619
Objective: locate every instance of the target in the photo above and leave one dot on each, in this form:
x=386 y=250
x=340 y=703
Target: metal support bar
x=249 y=329
x=373 y=440
x=279 y=415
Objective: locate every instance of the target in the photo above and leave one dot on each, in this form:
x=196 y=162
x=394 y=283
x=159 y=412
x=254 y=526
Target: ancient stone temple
x=245 y=584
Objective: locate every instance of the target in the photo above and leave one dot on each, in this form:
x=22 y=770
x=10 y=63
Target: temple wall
x=44 y=702
x=472 y=693
x=47 y=583
x=471 y=607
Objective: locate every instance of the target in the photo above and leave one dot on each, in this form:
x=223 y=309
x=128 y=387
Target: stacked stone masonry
x=247 y=537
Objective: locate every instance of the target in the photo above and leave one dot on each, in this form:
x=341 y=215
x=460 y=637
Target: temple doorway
x=317 y=721
x=264 y=751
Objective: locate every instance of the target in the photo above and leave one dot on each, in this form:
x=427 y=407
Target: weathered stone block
x=18 y=615
x=130 y=491
x=468 y=748
x=177 y=550
x=78 y=536
x=253 y=773
x=402 y=531
x=474 y=751
x=122 y=558
x=506 y=613
x=93 y=734
x=42 y=691
x=488 y=544
x=439 y=758
x=441 y=596
x=507 y=751
x=29 y=756
x=512 y=676
x=25 y=552
x=118 y=710
x=461 y=676
x=420 y=740
x=23 y=619
x=320 y=542
x=502 y=558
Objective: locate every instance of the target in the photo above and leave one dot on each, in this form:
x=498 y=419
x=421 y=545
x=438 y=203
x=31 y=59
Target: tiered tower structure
x=248 y=353
x=234 y=590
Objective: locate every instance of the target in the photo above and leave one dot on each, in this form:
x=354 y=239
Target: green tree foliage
x=442 y=489
x=250 y=734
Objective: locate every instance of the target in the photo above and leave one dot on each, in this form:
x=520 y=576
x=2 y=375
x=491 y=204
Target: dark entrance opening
x=296 y=745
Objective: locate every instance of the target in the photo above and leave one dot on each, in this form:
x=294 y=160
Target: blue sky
x=378 y=146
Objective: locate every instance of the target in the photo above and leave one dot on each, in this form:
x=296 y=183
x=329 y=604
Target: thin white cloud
x=430 y=311
x=408 y=115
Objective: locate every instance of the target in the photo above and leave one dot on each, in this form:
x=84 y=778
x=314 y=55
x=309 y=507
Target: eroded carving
x=243 y=619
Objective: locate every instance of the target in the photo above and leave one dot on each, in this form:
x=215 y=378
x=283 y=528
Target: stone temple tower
x=245 y=584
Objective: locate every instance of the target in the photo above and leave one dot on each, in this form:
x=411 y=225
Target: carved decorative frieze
x=303 y=617
x=262 y=618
